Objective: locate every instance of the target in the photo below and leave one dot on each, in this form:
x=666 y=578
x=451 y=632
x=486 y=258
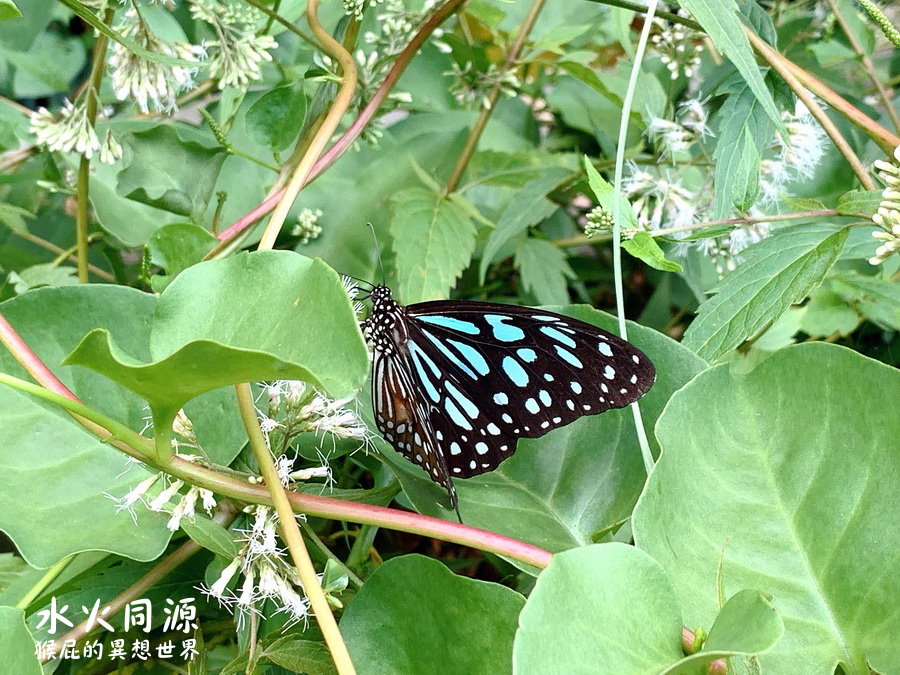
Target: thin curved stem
x=617 y=217
x=341 y=103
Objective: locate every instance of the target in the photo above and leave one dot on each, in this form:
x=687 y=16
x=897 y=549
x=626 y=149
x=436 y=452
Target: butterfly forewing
x=478 y=376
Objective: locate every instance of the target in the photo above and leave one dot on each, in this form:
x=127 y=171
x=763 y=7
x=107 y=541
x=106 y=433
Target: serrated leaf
x=433 y=241
x=859 y=201
x=544 y=270
x=210 y=535
x=276 y=117
x=529 y=206
x=722 y=23
x=644 y=247
x=778 y=271
x=42 y=275
x=711 y=232
x=744 y=130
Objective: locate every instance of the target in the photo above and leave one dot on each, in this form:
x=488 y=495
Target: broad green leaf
x=747 y=625
x=16 y=644
x=590 y=78
x=644 y=247
x=277 y=116
x=544 y=270
x=413 y=615
x=47 y=68
x=433 y=240
x=50 y=460
x=859 y=201
x=608 y=608
x=14 y=217
x=256 y=316
x=877 y=298
x=170 y=173
x=828 y=313
x=721 y=20
x=210 y=535
x=745 y=130
x=176 y=247
x=41 y=275
x=606 y=197
x=529 y=206
x=567 y=488
x=786 y=475
x=299 y=655
x=778 y=271
x=8 y=10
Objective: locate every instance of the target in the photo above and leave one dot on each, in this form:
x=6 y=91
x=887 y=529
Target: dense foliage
x=186 y=181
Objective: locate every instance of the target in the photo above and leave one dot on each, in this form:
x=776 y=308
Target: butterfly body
x=457 y=383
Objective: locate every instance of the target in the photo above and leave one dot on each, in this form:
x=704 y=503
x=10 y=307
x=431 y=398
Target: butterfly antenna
x=458 y=516
x=378 y=248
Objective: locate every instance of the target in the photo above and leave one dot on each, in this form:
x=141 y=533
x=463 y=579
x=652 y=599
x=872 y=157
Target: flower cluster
x=677 y=137
x=72 y=131
x=307 y=227
x=888 y=215
x=471 y=84
x=149 y=83
x=599 y=221
x=237 y=51
x=356 y=8
x=797 y=156
x=679 y=47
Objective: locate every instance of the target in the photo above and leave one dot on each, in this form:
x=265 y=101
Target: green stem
x=44 y=582
x=617 y=216
x=84 y=165
x=488 y=107
x=327 y=553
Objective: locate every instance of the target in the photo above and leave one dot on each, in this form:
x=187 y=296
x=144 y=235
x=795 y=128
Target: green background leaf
x=16 y=643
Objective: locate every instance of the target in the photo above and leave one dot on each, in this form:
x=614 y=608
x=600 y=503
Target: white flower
x=72 y=132
x=111 y=149
x=307 y=227
x=806 y=145
x=217 y=590
x=150 y=83
x=163 y=498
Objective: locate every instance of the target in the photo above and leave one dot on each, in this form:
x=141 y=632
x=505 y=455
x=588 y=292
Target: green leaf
x=175 y=247
x=299 y=655
x=606 y=197
x=277 y=116
x=43 y=274
x=16 y=643
x=859 y=201
x=413 y=615
x=785 y=475
x=877 y=298
x=644 y=247
x=590 y=78
x=8 y=10
x=544 y=270
x=14 y=217
x=828 y=313
x=210 y=535
x=433 y=240
x=744 y=131
x=256 y=316
x=747 y=625
x=607 y=608
x=528 y=206
x=50 y=460
x=169 y=173
x=559 y=491
x=48 y=67
x=778 y=271
x=721 y=20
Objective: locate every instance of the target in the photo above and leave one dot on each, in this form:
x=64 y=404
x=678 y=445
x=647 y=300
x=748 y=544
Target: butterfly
x=455 y=384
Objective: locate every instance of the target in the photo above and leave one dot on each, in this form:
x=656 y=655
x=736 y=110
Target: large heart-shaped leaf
x=785 y=479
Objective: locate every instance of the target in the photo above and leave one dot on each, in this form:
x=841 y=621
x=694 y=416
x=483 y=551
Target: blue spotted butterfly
x=455 y=383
